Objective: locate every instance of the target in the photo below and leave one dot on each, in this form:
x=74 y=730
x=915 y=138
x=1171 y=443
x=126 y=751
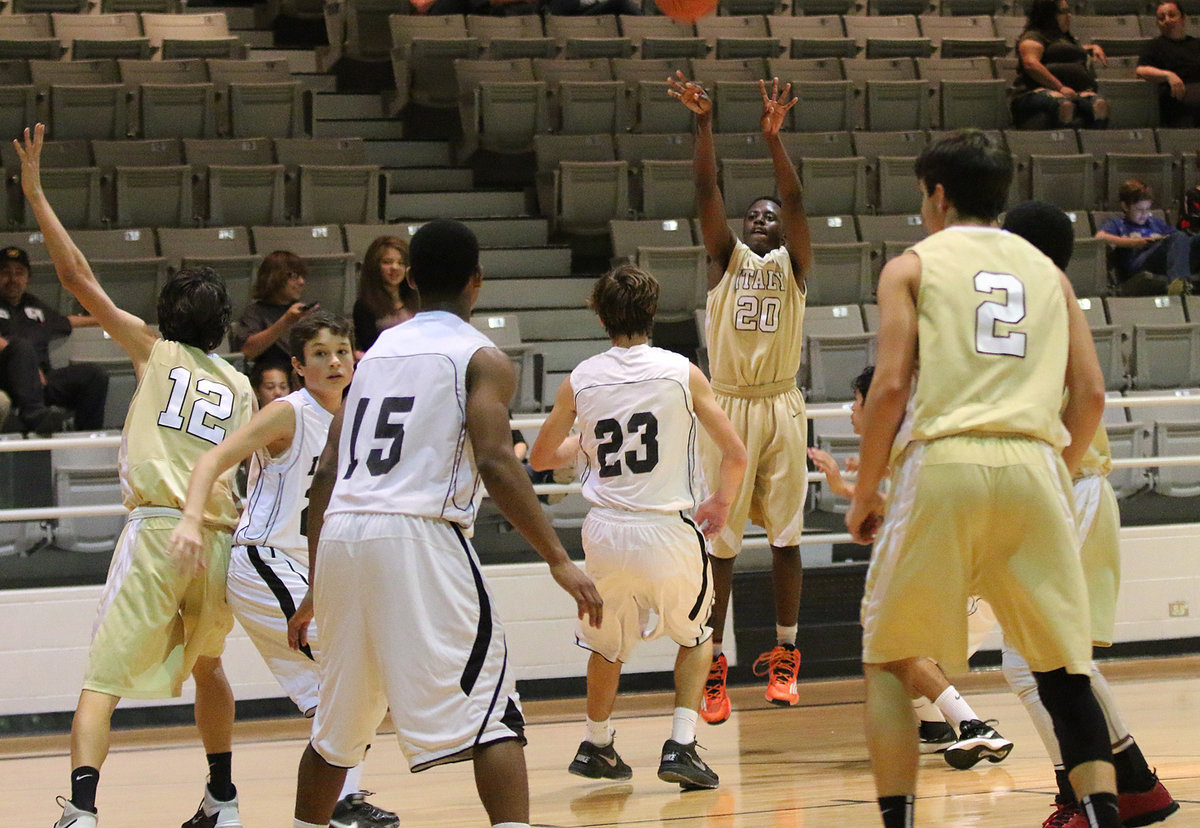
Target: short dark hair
x=312 y=324
x=1042 y=16
x=773 y=199
x=862 y=383
x=974 y=171
x=276 y=268
x=259 y=368
x=625 y=299
x=442 y=257
x=1044 y=226
x=194 y=308
x=1132 y=191
x=1175 y=3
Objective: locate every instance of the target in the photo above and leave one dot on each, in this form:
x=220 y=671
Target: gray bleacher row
x=139 y=31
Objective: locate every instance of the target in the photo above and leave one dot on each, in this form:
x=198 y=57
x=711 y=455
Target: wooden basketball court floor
x=803 y=767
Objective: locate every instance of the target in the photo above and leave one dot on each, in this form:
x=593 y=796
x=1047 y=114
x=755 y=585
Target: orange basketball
x=686 y=11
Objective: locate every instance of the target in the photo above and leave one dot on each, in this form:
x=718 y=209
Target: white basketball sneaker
x=73 y=817
x=214 y=813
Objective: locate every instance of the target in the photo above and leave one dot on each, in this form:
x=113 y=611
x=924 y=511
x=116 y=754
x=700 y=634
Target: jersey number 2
x=988 y=339
x=639 y=460
x=215 y=404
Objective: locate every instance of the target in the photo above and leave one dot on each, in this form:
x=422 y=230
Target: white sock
x=353 y=782
x=299 y=823
x=716 y=649
x=926 y=710
x=786 y=635
x=599 y=734
x=954 y=707
x=1118 y=731
x=510 y=825
x=683 y=726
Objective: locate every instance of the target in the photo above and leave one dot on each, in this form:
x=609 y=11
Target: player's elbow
x=541 y=459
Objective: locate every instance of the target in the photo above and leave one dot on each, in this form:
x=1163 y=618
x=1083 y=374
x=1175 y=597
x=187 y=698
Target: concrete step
x=329 y=106
x=401 y=153
x=429 y=179
x=455 y=205
x=503 y=232
x=525 y=262
x=254 y=38
x=358 y=127
x=566 y=293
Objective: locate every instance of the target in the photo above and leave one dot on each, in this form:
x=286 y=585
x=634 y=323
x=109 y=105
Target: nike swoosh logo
x=612 y=763
x=335 y=824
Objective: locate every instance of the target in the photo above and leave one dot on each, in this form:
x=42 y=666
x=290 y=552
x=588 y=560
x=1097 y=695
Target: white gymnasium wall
x=41 y=665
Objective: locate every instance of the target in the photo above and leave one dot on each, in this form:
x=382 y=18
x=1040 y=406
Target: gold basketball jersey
x=992 y=334
x=1098 y=459
x=186 y=402
x=754 y=324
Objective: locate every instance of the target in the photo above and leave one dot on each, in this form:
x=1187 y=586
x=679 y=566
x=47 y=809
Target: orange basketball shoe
x=780 y=666
x=714 y=706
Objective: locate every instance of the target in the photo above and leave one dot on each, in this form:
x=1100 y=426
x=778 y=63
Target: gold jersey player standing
x=980 y=498
x=755 y=310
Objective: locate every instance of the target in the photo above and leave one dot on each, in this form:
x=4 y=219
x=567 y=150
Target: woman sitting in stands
x=385 y=297
x=261 y=332
x=1173 y=58
x=1055 y=86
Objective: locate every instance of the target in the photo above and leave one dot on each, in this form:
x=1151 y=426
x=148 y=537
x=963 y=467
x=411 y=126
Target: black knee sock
x=220 y=776
x=1066 y=794
x=897 y=811
x=1101 y=810
x=1133 y=774
x=84 y=780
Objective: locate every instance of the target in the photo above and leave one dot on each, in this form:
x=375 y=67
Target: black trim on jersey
x=286 y=602
x=483 y=632
x=699 y=605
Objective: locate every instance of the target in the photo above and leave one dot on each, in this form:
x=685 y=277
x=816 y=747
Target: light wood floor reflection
x=804 y=767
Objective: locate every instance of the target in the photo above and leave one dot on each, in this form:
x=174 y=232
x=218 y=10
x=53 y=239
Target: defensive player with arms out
x=985 y=437
x=755 y=309
x=1142 y=799
x=947 y=722
x=158 y=621
x=268 y=567
x=395 y=494
x=637 y=409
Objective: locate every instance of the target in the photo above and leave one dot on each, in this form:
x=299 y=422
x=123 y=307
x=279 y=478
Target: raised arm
x=491 y=381
x=1085 y=384
x=72 y=267
x=795 y=223
x=718 y=238
x=712 y=514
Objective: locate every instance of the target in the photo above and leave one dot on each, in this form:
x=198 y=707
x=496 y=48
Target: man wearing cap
x=40 y=394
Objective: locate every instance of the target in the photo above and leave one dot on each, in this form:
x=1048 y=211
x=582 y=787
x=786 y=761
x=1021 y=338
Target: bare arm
x=718 y=238
x=255 y=344
x=884 y=409
x=795 y=222
x=825 y=464
x=491 y=381
x=554 y=447
x=1085 y=384
x=318 y=500
x=80 y=321
x=272 y=429
x=712 y=514
x=1030 y=52
x=1153 y=73
x=1135 y=242
x=72 y=267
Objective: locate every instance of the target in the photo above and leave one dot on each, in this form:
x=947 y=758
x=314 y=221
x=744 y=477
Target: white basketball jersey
x=404 y=446
x=637 y=429
x=277 y=487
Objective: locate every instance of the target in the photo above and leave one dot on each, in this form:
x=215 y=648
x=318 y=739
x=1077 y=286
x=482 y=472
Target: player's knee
x=1017 y=673
x=1078 y=720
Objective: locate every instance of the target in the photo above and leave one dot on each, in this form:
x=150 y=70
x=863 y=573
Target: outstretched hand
x=692 y=95
x=775 y=106
x=30 y=153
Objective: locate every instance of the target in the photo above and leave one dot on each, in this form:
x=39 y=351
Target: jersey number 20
x=640 y=460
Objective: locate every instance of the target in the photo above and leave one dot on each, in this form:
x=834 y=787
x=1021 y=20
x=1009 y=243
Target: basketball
x=686 y=11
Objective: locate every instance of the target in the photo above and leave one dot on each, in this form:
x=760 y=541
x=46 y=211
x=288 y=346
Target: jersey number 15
x=379 y=463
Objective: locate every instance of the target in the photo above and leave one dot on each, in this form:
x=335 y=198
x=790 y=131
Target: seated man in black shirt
x=40 y=394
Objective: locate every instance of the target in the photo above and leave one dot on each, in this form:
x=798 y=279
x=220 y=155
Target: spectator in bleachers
x=1173 y=60
x=1151 y=259
x=1055 y=86
x=43 y=396
x=385 y=297
x=497 y=8
x=261 y=332
x=591 y=7
x=269 y=383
